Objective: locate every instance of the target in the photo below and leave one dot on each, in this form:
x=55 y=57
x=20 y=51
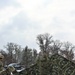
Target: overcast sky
x=22 y=20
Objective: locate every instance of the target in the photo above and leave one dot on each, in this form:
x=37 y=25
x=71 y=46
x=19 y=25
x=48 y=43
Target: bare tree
x=68 y=50
x=10 y=48
x=44 y=41
x=56 y=47
x=17 y=49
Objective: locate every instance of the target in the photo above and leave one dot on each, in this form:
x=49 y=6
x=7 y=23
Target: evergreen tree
x=27 y=57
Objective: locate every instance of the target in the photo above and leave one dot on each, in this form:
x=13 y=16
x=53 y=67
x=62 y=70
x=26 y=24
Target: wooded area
x=28 y=57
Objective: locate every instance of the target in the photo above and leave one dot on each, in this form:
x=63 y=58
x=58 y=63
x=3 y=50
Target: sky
x=22 y=20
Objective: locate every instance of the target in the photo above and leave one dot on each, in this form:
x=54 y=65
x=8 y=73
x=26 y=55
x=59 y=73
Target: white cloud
x=36 y=10
x=53 y=16
x=6 y=15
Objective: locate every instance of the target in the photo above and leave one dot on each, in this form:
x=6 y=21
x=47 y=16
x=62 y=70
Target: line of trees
x=50 y=46
x=15 y=54
x=27 y=56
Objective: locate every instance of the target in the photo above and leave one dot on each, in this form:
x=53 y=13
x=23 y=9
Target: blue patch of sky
x=21 y=22
x=72 y=13
x=62 y=36
x=57 y=22
x=4 y=3
x=47 y=2
x=72 y=23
